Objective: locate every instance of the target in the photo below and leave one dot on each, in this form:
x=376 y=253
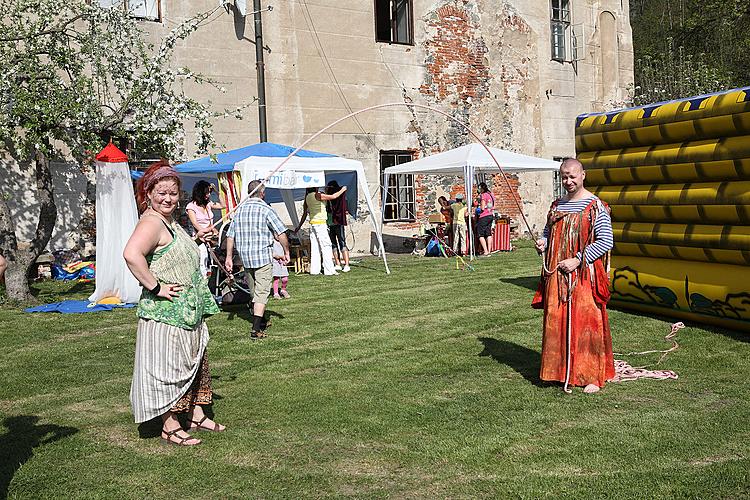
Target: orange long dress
x=584 y=355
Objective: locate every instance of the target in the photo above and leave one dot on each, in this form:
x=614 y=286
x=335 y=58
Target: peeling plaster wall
x=487 y=62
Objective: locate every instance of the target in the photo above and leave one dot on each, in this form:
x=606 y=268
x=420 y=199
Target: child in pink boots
x=280 y=272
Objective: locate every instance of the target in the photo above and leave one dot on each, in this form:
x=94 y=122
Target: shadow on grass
x=732 y=334
x=369 y=266
x=17 y=444
x=243 y=312
x=150 y=428
x=530 y=282
x=523 y=360
x=51 y=290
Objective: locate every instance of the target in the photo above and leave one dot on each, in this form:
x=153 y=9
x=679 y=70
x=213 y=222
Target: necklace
x=164 y=219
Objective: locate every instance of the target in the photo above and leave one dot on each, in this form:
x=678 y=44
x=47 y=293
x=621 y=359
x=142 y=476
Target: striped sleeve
x=604 y=241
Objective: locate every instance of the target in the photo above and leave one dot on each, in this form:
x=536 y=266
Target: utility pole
x=260 y=68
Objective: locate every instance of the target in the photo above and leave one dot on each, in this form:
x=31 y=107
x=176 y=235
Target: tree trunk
x=22 y=261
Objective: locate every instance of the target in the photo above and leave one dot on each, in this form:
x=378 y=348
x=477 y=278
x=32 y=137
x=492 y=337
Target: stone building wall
x=485 y=62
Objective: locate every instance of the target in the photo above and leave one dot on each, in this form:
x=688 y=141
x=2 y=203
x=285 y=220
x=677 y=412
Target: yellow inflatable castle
x=677 y=177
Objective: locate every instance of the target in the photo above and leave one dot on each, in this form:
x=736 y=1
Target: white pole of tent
x=383 y=198
x=469 y=188
x=373 y=219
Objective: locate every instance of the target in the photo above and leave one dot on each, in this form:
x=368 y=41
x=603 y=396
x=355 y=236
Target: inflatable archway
x=677 y=177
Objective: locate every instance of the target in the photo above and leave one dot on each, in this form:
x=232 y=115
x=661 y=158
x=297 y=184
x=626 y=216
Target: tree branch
x=59 y=29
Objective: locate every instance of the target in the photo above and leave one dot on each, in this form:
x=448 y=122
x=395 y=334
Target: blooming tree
x=73 y=75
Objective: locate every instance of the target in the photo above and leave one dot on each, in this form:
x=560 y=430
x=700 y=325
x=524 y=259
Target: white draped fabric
x=116 y=217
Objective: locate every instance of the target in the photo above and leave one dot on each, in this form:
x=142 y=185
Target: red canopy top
x=110 y=154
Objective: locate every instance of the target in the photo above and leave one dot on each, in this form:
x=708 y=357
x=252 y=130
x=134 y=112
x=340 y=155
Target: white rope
x=676 y=327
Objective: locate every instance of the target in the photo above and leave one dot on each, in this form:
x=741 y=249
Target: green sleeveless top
x=316 y=208
x=178 y=263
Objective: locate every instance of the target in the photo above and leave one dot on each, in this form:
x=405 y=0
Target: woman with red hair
x=171 y=373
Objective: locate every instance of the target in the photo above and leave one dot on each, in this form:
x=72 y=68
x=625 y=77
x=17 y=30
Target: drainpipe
x=260 y=67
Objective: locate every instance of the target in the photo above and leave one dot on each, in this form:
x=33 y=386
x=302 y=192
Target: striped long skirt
x=168 y=363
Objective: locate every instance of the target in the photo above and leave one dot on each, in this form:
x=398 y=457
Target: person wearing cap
x=459 y=224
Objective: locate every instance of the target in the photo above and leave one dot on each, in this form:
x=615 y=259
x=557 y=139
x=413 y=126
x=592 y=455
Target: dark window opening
x=394 y=21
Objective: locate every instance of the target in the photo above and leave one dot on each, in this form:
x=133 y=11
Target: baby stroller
x=227 y=289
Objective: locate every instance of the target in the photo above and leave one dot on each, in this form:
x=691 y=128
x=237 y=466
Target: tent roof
x=225 y=161
x=326 y=163
x=111 y=154
x=452 y=162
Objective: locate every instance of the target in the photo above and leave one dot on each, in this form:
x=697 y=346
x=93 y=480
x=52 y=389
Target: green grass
x=423 y=383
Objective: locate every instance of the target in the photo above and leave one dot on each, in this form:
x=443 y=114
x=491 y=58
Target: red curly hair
x=159 y=171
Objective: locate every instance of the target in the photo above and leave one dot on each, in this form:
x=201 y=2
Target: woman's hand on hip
x=169 y=291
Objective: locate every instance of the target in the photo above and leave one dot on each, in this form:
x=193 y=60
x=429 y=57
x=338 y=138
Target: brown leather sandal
x=198 y=426
x=182 y=440
x=258 y=335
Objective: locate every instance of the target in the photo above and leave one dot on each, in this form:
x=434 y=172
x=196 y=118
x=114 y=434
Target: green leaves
x=79 y=73
x=689 y=47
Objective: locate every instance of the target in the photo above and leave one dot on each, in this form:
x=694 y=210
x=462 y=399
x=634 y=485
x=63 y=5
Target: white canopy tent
x=469 y=161
x=116 y=218
x=300 y=172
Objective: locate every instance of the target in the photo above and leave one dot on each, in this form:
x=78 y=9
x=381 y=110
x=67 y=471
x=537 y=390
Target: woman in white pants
x=320 y=241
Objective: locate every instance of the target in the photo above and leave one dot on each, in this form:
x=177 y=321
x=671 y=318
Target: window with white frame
x=140 y=9
x=560 y=28
x=399 y=201
x=393 y=21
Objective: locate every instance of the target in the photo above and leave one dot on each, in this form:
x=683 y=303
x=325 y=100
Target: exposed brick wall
x=458 y=75
x=506 y=201
x=456 y=65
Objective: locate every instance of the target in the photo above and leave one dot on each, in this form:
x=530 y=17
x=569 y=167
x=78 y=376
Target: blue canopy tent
x=224 y=162
x=204 y=168
x=346 y=172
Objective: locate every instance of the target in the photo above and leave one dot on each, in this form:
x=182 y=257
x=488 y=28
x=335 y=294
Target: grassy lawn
x=423 y=383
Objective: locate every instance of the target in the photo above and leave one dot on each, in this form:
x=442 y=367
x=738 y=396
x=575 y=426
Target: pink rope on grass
x=624 y=371
x=676 y=327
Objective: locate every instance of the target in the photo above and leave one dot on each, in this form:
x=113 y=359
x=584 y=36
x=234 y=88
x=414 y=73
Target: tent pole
x=386 y=185
x=469 y=186
x=378 y=230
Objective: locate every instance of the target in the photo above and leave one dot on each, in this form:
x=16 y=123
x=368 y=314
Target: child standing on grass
x=280 y=272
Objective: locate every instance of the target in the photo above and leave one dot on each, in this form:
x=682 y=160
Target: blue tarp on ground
x=74 y=306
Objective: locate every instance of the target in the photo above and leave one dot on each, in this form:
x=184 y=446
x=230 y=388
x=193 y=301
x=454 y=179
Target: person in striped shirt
x=574 y=289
